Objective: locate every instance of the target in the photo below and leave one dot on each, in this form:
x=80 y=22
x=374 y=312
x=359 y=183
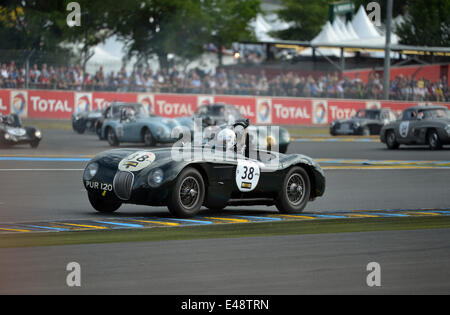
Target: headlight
x=90 y=171
x=155 y=177
x=7 y=136
x=356 y=125
x=37 y=134
x=333 y=123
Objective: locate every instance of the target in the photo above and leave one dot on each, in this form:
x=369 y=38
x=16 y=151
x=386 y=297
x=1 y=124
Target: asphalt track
x=411 y=262
x=416 y=261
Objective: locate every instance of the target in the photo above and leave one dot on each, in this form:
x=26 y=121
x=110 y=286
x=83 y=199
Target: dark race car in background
x=86 y=121
x=420 y=125
x=366 y=122
x=12 y=132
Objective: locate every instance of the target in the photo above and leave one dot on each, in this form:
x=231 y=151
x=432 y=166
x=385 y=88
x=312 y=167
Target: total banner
x=49 y=104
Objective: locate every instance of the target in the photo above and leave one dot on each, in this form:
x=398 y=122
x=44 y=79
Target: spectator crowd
x=223 y=81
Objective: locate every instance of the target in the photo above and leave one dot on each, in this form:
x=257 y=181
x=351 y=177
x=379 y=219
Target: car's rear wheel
x=148 y=138
x=187 y=195
x=112 y=138
x=433 y=140
x=34 y=144
x=102 y=204
x=79 y=128
x=295 y=192
x=391 y=141
x=98 y=131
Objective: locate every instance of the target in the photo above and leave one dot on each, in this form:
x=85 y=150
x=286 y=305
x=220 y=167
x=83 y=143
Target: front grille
x=123 y=183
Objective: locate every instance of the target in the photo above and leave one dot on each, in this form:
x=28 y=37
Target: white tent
x=341 y=26
x=351 y=31
x=326 y=35
x=362 y=25
x=360 y=31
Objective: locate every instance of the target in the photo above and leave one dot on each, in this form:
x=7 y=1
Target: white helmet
x=226 y=138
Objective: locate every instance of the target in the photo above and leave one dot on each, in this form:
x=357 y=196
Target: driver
x=420 y=115
x=226 y=138
x=129 y=113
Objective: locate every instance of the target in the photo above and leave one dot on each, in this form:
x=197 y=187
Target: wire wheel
x=295 y=189
x=189 y=192
x=295 y=192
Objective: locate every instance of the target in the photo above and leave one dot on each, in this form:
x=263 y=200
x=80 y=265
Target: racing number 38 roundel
x=137 y=161
x=247 y=175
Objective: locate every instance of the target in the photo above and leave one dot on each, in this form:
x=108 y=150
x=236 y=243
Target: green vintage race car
x=228 y=172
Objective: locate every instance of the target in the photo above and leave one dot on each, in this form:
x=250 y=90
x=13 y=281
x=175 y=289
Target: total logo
x=341 y=113
x=320 y=112
x=264 y=111
x=174 y=109
x=147 y=101
x=49 y=105
x=83 y=102
x=19 y=104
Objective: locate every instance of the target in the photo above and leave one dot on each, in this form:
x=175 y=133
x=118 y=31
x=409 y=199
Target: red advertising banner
x=289 y=111
x=4 y=102
x=49 y=104
x=175 y=105
x=343 y=109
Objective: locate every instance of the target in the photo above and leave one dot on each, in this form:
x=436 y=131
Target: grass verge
x=223 y=231
x=49 y=124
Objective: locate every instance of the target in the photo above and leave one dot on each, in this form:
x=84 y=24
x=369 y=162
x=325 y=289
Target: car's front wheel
x=391 y=141
x=187 y=195
x=433 y=140
x=102 y=204
x=112 y=138
x=295 y=191
x=149 y=141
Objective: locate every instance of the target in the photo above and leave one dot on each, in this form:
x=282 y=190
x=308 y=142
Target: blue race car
x=133 y=124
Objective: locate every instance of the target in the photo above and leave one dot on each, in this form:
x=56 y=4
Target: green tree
x=229 y=21
x=31 y=24
x=308 y=18
x=426 y=24
x=161 y=27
